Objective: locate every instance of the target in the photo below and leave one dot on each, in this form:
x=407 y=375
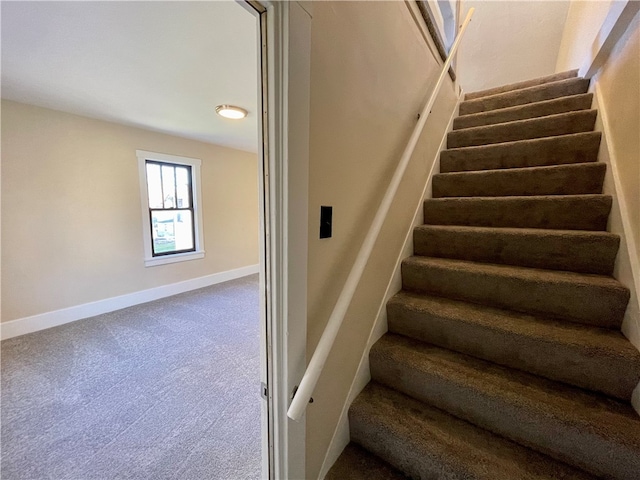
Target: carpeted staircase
x=504 y=357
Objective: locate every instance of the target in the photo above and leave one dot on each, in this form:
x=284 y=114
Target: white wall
x=584 y=19
x=71 y=220
x=510 y=41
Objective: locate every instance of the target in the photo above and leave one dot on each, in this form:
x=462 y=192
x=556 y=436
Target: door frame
x=284 y=86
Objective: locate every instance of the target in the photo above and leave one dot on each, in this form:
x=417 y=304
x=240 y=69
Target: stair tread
x=546 y=126
x=356 y=463
x=574 y=250
x=425 y=442
x=523 y=84
x=535 y=93
x=511 y=171
x=589 y=357
x=574 y=178
x=521 y=231
x=542 y=108
x=524 y=198
x=572 y=148
x=567 y=212
x=526 y=122
x=533 y=274
x=599 y=342
x=576 y=297
x=541 y=413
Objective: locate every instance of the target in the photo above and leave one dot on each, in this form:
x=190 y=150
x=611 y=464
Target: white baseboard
x=22 y=326
x=340 y=437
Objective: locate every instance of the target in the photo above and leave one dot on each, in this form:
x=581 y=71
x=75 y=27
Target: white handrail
x=311 y=375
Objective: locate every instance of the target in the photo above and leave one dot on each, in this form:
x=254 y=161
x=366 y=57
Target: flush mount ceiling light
x=229 y=111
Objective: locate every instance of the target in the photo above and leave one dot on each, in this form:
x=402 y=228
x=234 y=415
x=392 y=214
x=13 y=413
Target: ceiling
x=161 y=66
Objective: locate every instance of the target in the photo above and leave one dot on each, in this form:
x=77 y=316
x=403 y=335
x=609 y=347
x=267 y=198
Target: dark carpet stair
x=537 y=93
x=598 y=359
x=562 y=149
x=591 y=299
x=504 y=357
x=425 y=442
x=549 y=126
x=561 y=212
x=520 y=85
x=573 y=250
x=547 y=416
x=356 y=463
x=574 y=179
x=522 y=112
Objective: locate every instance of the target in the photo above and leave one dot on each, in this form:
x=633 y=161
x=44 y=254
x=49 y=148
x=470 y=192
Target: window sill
x=178 y=257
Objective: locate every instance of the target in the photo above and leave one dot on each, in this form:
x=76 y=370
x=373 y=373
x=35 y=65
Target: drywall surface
x=584 y=20
x=71 y=218
x=509 y=41
x=371 y=73
x=619 y=82
x=619 y=86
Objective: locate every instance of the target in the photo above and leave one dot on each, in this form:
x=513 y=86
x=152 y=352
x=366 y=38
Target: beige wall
x=371 y=73
x=584 y=19
x=510 y=41
x=619 y=85
x=71 y=218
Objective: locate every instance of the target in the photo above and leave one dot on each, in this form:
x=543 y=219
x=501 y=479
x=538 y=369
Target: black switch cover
x=326 y=216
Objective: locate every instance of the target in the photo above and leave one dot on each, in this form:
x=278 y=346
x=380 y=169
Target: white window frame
x=194 y=163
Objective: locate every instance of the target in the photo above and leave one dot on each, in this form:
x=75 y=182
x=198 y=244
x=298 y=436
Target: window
x=172 y=220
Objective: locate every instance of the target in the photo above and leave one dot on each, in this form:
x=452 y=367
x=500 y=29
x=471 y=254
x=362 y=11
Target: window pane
x=172 y=231
x=154 y=187
x=168 y=187
x=182 y=185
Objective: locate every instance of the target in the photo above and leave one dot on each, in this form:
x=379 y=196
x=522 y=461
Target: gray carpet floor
x=164 y=390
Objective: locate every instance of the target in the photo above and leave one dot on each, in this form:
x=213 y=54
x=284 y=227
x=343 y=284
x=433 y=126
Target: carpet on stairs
x=504 y=357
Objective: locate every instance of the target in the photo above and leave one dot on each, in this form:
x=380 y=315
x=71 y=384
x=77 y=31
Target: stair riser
x=574 y=366
x=554 y=125
x=522 y=112
x=584 y=254
x=588 y=304
x=393 y=447
x=558 y=180
x=563 y=213
x=578 y=148
x=530 y=95
x=520 y=85
x=495 y=412
x=356 y=463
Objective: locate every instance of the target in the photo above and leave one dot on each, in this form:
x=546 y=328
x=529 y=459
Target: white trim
x=22 y=326
x=286 y=195
x=165 y=157
x=618 y=19
x=194 y=163
x=176 y=257
x=266 y=352
x=340 y=437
